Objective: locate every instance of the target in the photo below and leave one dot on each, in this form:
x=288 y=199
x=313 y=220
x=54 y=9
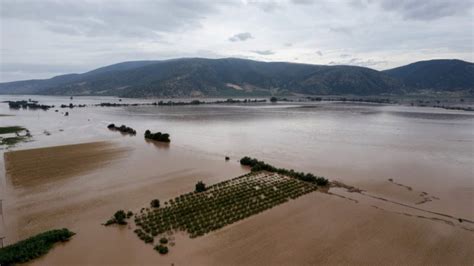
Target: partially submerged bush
x=123 y=129
x=161 y=249
x=257 y=165
x=158 y=136
x=33 y=247
x=155 y=203
x=143 y=236
x=12 y=129
x=21 y=134
x=33 y=105
x=119 y=218
x=200 y=187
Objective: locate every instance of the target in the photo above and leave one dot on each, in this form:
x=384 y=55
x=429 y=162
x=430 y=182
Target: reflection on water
x=157 y=144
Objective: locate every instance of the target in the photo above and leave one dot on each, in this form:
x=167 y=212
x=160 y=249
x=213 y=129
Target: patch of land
x=224 y=203
x=35 y=166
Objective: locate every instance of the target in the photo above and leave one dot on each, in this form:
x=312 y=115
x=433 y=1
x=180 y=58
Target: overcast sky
x=41 y=39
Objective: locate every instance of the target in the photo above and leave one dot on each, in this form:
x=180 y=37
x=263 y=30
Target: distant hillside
x=229 y=77
x=442 y=74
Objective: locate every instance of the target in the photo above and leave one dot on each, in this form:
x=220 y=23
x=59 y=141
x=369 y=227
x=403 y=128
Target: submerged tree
x=120 y=217
x=200 y=187
x=155 y=203
x=158 y=136
x=161 y=249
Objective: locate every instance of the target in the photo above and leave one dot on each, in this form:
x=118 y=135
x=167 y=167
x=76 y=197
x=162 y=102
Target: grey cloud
x=340 y=29
x=369 y=62
x=19 y=71
x=360 y=3
x=303 y=2
x=41 y=68
x=267 y=6
x=138 y=18
x=79 y=35
x=426 y=10
x=359 y=62
x=263 y=52
x=243 y=36
x=63 y=29
x=345 y=55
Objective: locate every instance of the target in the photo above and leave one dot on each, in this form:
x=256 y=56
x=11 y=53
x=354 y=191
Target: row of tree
x=257 y=165
x=123 y=129
x=158 y=136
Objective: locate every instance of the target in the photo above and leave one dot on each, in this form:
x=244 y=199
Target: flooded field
x=413 y=166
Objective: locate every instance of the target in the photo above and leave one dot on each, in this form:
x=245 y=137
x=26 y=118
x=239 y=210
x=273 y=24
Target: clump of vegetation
x=273 y=99
x=145 y=237
x=155 y=203
x=12 y=140
x=119 y=217
x=161 y=249
x=12 y=129
x=158 y=136
x=164 y=240
x=33 y=247
x=30 y=104
x=257 y=165
x=123 y=129
x=72 y=105
x=200 y=187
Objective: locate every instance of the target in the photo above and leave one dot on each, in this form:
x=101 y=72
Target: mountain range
x=195 y=77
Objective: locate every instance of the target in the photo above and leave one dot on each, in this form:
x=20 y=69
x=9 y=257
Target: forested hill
x=188 y=77
x=439 y=74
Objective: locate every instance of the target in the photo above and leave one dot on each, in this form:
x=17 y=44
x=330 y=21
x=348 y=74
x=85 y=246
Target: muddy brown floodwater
x=411 y=169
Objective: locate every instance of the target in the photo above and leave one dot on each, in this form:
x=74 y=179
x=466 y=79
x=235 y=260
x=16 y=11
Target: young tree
x=120 y=217
x=200 y=187
x=155 y=203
